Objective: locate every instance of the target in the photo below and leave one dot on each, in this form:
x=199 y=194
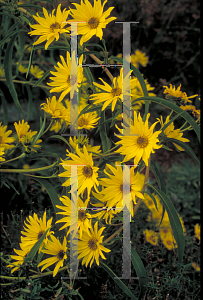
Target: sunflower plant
x=101 y=176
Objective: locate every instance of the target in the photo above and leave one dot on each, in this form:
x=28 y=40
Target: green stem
x=28 y=171
x=21 y=156
x=28 y=82
x=33 y=276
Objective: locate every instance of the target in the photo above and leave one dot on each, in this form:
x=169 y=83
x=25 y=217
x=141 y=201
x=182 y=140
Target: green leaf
x=176 y=108
x=5 y=110
x=158 y=176
x=36 y=247
x=174 y=221
x=52 y=194
x=118 y=281
x=43 y=77
x=96 y=45
x=153 y=198
x=60 y=138
x=139 y=268
x=8 y=72
x=186 y=148
x=172 y=120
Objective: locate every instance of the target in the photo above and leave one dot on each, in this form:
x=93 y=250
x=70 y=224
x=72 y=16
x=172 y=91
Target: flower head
x=2 y=154
x=58 y=252
x=87 y=173
x=90 y=247
x=142 y=144
x=151 y=236
x=5 y=140
x=81 y=218
x=21 y=254
x=139 y=58
x=173 y=133
x=34 y=229
x=172 y=93
x=36 y=71
x=92 y=19
x=66 y=80
x=113 y=187
x=25 y=137
x=81 y=141
x=197 y=231
x=50 y=26
x=112 y=93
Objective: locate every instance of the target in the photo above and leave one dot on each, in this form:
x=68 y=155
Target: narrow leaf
x=139 y=268
x=118 y=281
x=8 y=72
x=158 y=176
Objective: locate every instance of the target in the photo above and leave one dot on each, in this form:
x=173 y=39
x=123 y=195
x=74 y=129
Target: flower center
x=54 y=26
x=60 y=254
x=121 y=187
x=92 y=244
x=82 y=215
x=1 y=139
x=40 y=234
x=87 y=171
x=116 y=92
x=82 y=121
x=93 y=23
x=142 y=141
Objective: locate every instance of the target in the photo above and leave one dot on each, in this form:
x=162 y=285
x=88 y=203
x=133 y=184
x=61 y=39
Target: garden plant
x=88 y=208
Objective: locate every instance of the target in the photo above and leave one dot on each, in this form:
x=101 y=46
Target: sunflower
x=34 y=229
x=151 y=236
x=172 y=93
x=81 y=141
x=67 y=80
x=58 y=251
x=168 y=241
x=50 y=26
x=105 y=212
x=2 y=153
x=173 y=133
x=87 y=120
x=92 y=19
x=139 y=58
x=5 y=140
x=55 y=108
x=113 y=187
x=82 y=217
x=197 y=231
x=113 y=93
x=36 y=71
x=90 y=248
x=25 y=137
x=21 y=254
x=87 y=173
x=142 y=144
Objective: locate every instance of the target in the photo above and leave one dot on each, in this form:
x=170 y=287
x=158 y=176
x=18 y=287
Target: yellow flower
x=2 y=154
x=137 y=92
x=113 y=191
x=172 y=93
x=105 y=212
x=58 y=251
x=169 y=241
x=81 y=141
x=5 y=140
x=25 y=137
x=55 y=108
x=197 y=231
x=93 y=18
x=90 y=247
x=2 y=72
x=36 y=71
x=49 y=27
x=142 y=144
x=150 y=203
x=21 y=254
x=173 y=133
x=196 y=266
x=82 y=217
x=112 y=94
x=87 y=120
x=34 y=229
x=63 y=82
x=87 y=173
x=138 y=58
x=22 y=69
x=151 y=237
